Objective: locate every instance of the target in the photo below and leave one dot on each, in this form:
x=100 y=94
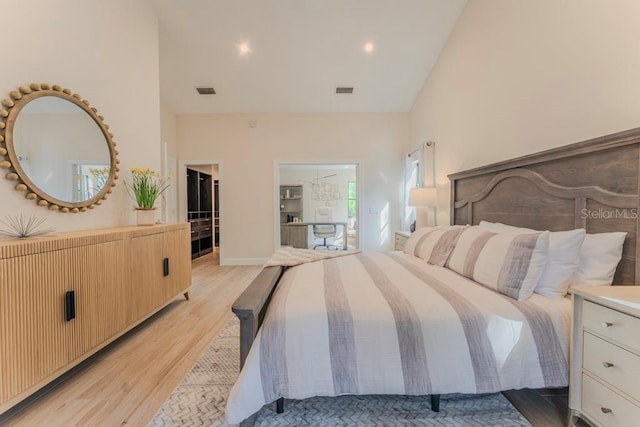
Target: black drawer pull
x=165 y=267
x=607 y=324
x=70 y=305
x=607 y=364
x=606 y=410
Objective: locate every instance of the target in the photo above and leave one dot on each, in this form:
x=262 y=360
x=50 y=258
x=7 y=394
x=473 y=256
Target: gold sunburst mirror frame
x=10 y=161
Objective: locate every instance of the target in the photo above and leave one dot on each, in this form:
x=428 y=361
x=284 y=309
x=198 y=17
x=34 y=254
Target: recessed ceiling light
x=244 y=48
x=206 y=90
x=368 y=47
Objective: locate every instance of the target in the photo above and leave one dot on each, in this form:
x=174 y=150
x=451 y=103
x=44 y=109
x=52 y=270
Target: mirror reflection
x=61 y=149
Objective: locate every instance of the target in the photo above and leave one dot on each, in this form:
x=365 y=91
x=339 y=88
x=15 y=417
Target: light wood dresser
x=63 y=297
x=605 y=361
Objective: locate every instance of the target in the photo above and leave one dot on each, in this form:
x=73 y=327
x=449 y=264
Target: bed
x=442 y=332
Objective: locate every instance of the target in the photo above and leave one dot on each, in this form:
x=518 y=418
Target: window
x=412 y=179
x=419 y=171
x=352 y=194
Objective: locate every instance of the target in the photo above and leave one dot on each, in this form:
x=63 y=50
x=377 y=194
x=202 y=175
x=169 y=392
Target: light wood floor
x=128 y=381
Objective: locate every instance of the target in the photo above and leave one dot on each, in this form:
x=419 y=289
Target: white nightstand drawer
x=400 y=239
x=618 y=367
x=606 y=407
x=612 y=324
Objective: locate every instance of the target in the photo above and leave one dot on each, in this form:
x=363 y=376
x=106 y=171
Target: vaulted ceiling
x=290 y=55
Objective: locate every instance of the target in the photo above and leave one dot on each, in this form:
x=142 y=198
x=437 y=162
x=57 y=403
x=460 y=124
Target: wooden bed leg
x=186 y=295
x=280 y=405
x=435 y=402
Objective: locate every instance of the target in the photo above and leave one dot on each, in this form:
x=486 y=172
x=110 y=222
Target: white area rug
x=201 y=397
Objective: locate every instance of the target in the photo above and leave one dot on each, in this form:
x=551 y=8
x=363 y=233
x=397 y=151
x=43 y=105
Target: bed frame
x=592 y=184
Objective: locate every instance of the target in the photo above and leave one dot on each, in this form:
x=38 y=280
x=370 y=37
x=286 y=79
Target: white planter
x=146 y=216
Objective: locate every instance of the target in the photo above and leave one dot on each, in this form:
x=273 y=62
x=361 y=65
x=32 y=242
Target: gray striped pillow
x=433 y=244
x=508 y=263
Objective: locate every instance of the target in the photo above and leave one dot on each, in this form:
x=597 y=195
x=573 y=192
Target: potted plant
x=145 y=187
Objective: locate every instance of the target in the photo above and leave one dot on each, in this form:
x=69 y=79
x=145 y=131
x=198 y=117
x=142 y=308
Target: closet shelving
x=200 y=212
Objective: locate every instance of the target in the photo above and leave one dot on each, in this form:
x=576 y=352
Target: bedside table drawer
x=400 y=240
x=617 y=367
x=607 y=407
x=612 y=324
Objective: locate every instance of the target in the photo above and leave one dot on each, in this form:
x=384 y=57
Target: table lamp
x=423 y=198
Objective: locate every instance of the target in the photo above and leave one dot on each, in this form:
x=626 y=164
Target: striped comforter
x=389 y=323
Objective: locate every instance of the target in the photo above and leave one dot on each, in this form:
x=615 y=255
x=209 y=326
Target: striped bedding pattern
x=508 y=263
x=289 y=257
x=390 y=323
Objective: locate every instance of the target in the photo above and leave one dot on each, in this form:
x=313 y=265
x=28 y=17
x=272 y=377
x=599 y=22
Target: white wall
x=517 y=77
x=107 y=51
x=248 y=208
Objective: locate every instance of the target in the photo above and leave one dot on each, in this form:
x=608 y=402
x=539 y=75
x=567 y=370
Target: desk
x=297 y=233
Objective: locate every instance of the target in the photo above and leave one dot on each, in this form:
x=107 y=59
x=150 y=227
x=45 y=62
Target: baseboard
x=242 y=261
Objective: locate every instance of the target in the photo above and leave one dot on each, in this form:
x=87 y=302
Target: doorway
x=317 y=206
x=201 y=207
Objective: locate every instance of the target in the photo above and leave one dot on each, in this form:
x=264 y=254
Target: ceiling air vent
x=206 y=90
x=344 y=89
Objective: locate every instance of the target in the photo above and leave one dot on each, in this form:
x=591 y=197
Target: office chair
x=324 y=231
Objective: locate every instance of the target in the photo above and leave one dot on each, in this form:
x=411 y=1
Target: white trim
x=165 y=175
x=360 y=216
x=276 y=192
x=276 y=204
x=429 y=176
x=182 y=196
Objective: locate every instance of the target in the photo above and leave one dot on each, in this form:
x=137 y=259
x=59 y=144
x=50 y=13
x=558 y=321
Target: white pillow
x=562 y=260
x=599 y=257
x=410 y=244
x=508 y=263
x=433 y=244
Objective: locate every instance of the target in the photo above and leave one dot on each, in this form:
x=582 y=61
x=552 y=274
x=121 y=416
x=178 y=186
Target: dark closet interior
x=200 y=212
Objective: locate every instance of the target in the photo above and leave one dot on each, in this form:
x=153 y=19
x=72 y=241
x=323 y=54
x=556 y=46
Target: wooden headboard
x=592 y=184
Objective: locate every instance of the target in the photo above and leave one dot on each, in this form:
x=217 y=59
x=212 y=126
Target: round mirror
x=57 y=149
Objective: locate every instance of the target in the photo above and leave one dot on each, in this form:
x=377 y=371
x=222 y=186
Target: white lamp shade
x=423 y=196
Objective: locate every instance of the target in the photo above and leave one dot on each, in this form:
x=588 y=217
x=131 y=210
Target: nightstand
x=605 y=356
x=401 y=238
